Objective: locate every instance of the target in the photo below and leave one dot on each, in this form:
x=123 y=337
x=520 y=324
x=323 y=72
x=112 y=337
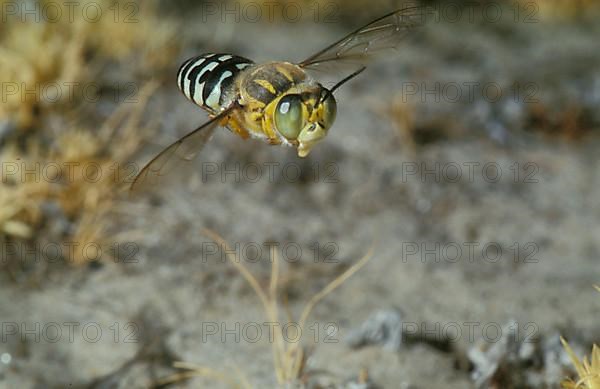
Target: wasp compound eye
x=329 y=111
x=288 y=116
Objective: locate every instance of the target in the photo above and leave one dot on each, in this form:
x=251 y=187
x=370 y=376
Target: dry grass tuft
x=588 y=371
x=70 y=51
x=85 y=196
x=71 y=55
x=289 y=358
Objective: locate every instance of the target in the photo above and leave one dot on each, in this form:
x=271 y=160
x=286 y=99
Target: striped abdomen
x=208 y=79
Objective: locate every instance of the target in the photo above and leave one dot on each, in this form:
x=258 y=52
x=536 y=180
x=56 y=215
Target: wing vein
x=371 y=38
x=185 y=148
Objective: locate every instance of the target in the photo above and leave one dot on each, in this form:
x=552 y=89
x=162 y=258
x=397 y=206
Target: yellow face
x=303 y=116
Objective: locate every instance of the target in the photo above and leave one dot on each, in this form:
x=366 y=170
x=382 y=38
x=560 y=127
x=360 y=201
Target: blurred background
x=467 y=160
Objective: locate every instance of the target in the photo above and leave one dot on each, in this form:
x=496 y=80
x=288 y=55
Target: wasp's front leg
x=233 y=123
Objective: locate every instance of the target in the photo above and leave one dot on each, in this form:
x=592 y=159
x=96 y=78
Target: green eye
x=329 y=111
x=288 y=116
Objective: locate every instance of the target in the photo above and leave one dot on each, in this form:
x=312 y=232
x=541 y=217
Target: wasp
x=276 y=101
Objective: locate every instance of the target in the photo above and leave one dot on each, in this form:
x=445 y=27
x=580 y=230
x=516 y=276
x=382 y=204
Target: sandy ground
x=374 y=186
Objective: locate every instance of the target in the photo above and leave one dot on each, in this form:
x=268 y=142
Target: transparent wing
x=186 y=149
x=381 y=34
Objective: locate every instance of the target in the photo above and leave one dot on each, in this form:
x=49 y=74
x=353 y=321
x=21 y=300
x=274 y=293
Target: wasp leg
x=233 y=124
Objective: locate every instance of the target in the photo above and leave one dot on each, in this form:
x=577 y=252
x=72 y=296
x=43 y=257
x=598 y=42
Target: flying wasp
x=275 y=101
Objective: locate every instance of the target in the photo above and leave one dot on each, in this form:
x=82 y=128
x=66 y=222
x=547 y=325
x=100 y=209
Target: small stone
x=383 y=328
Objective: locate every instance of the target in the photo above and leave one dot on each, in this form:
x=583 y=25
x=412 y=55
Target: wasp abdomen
x=208 y=79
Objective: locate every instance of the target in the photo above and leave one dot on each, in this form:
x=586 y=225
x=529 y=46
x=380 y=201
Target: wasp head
x=303 y=117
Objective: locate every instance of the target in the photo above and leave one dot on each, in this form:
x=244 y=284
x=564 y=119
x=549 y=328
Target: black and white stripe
x=207 y=79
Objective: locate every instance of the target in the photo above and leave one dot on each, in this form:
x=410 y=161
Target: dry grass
x=34 y=54
x=289 y=358
x=22 y=64
x=84 y=198
x=90 y=202
x=588 y=371
x=71 y=55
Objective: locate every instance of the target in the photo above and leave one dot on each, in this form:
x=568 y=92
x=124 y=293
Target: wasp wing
x=381 y=34
x=186 y=149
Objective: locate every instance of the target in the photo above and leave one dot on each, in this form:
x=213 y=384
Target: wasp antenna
x=342 y=82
